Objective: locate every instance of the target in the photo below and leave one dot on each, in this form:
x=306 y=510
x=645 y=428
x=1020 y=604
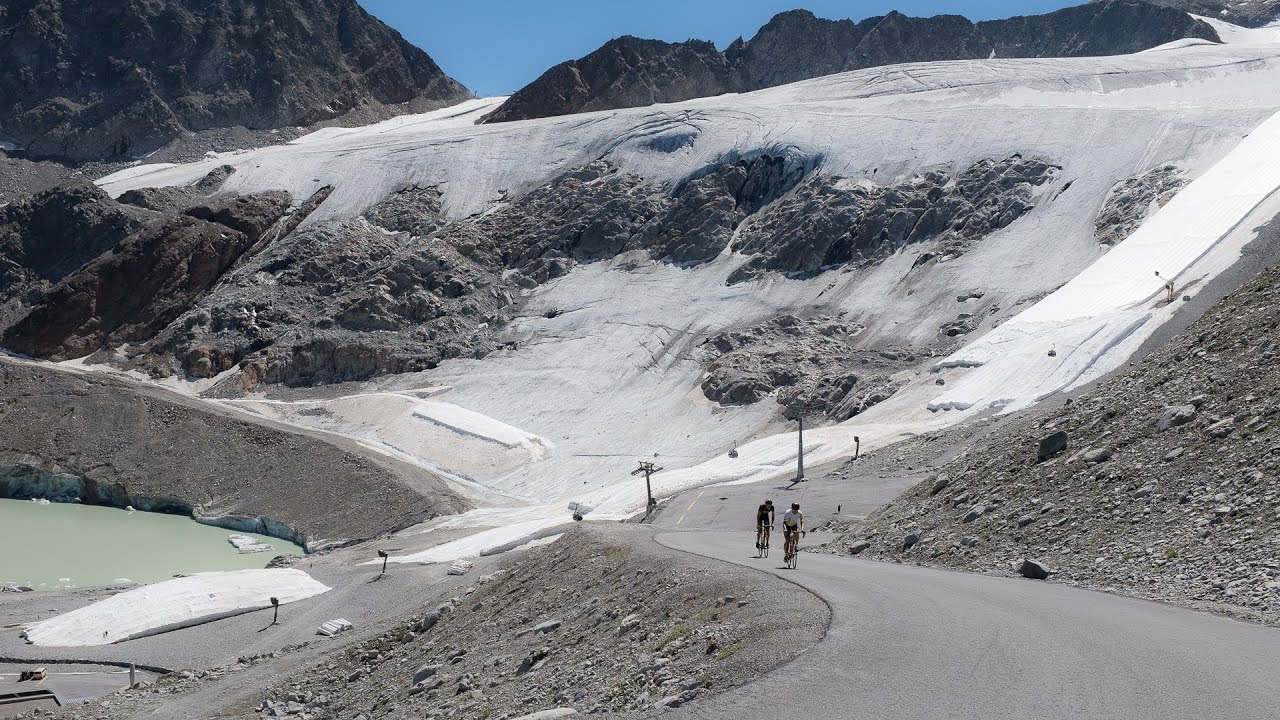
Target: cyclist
x=792 y=529
x=764 y=520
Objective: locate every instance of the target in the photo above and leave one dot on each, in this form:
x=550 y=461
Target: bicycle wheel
x=764 y=548
x=795 y=555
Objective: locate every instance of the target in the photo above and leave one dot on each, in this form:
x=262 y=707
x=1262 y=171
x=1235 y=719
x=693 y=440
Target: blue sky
x=497 y=46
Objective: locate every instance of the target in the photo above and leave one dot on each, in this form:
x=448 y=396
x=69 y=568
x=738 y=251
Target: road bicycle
x=793 y=553
x=762 y=541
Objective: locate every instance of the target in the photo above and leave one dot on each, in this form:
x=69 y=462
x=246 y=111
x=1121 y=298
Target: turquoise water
x=70 y=545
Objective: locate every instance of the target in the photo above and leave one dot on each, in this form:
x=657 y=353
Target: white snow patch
x=173 y=604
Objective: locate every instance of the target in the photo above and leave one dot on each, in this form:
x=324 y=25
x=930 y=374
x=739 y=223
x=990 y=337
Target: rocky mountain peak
x=798 y=45
x=114 y=78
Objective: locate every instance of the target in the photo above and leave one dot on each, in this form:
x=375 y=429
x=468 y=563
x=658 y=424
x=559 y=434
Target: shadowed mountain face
x=92 y=79
x=796 y=45
x=1249 y=13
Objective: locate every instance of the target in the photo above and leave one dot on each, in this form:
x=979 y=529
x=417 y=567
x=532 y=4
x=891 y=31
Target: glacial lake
x=63 y=545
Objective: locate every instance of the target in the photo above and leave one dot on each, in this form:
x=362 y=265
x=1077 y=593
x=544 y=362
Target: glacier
x=611 y=376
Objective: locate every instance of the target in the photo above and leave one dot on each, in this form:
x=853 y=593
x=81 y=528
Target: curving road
x=910 y=642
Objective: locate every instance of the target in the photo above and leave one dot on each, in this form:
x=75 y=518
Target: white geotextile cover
x=173 y=604
x=1095 y=321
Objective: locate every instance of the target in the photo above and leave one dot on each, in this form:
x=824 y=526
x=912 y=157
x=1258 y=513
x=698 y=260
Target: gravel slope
x=605 y=621
x=169 y=452
x=1166 y=490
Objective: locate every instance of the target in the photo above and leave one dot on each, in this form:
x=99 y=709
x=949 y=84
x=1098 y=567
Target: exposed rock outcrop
x=94 y=79
x=811 y=364
x=47 y=236
x=145 y=281
x=178 y=197
x=796 y=45
x=414 y=210
x=832 y=220
x=315 y=307
x=1130 y=202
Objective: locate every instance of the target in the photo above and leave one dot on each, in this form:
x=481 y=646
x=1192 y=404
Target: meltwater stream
x=48 y=546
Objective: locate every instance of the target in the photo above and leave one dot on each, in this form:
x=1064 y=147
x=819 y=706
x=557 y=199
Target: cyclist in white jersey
x=792 y=528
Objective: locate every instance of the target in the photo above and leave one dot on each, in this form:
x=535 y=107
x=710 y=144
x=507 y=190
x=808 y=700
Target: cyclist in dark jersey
x=764 y=516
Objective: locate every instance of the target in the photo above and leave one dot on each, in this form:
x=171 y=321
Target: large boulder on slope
x=1051 y=445
x=1033 y=569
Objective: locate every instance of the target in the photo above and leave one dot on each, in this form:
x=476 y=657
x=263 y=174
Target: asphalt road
x=73 y=687
x=910 y=642
x=823 y=496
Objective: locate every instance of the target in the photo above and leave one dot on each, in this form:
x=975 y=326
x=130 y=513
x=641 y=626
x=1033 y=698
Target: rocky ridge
x=1160 y=482
x=120 y=79
x=315 y=306
x=796 y=45
x=92 y=274
x=48 y=236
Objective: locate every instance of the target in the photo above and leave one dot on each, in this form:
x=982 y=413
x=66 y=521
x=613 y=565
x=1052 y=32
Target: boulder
x=1033 y=569
x=1097 y=455
x=1220 y=429
x=425 y=672
x=1051 y=445
x=1174 y=416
